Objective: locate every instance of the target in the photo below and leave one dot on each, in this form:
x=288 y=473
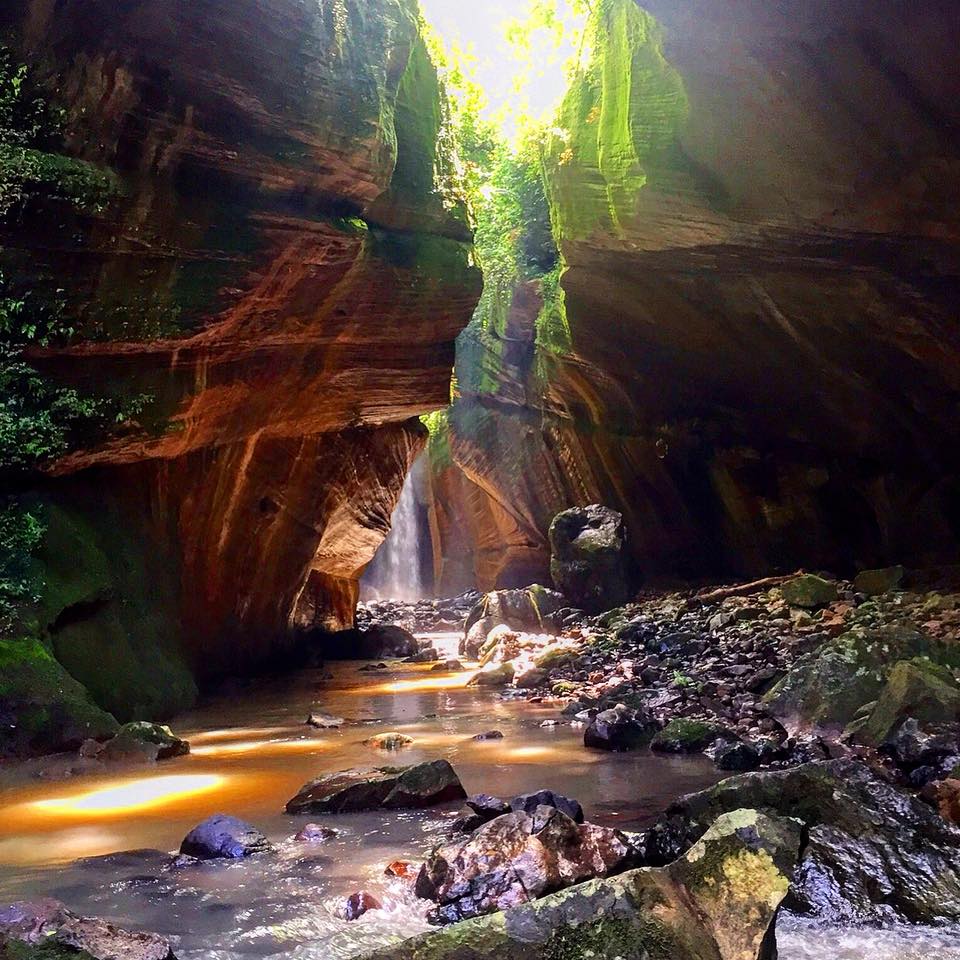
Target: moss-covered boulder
x=688 y=736
x=46 y=930
x=875 y=854
x=915 y=688
x=826 y=688
x=809 y=591
x=140 y=740
x=588 y=557
x=42 y=708
x=716 y=903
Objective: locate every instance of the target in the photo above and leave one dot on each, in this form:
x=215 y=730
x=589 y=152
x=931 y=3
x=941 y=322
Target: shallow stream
x=251 y=751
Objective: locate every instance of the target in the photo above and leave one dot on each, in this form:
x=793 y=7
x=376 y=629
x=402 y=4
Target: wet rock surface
x=390 y=788
x=224 y=837
x=47 y=924
x=718 y=901
x=516 y=858
x=874 y=853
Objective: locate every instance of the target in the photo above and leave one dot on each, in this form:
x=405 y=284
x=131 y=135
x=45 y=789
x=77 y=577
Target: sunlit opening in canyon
x=479 y=479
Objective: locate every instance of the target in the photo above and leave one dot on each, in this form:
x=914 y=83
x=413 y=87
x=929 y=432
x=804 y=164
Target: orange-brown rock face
x=759 y=209
x=282 y=276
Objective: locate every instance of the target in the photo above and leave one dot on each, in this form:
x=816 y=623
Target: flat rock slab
x=389 y=788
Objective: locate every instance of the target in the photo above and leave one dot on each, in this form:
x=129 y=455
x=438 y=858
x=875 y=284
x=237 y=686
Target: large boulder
x=47 y=929
x=588 y=561
x=531 y=608
x=224 y=838
x=620 y=728
x=875 y=854
x=826 y=688
x=716 y=903
x=517 y=858
x=389 y=788
x=916 y=689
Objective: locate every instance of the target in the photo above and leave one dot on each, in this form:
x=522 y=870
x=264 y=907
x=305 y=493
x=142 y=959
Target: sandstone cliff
x=754 y=353
x=281 y=276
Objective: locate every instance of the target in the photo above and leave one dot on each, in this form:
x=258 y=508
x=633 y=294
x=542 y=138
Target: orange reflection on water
x=260 y=746
x=123 y=797
x=234 y=733
x=439 y=682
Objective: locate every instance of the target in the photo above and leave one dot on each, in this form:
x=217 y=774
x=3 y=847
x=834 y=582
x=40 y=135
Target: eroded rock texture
x=758 y=362
x=283 y=276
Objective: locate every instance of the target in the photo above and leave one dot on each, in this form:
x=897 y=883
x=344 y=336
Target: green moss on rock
x=915 y=688
x=109 y=614
x=620 y=117
x=42 y=708
x=826 y=688
x=686 y=736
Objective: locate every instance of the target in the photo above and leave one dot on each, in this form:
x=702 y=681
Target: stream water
x=60 y=832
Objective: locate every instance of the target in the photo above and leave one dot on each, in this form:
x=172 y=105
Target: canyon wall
x=755 y=350
x=280 y=277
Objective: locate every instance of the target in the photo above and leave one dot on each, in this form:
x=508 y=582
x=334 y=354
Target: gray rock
x=224 y=837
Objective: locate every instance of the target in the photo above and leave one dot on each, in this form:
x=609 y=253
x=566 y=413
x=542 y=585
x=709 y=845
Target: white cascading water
x=396 y=573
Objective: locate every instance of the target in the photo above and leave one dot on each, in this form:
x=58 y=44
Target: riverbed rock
x=224 y=837
x=314 y=833
x=716 y=903
x=875 y=853
x=143 y=741
x=588 y=561
x=916 y=689
x=737 y=757
x=825 y=688
x=46 y=925
x=360 y=903
x=531 y=608
x=389 y=741
x=389 y=788
x=528 y=803
x=809 y=591
x=873 y=583
x=493 y=675
x=516 y=858
x=476 y=636
x=936 y=745
x=325 y=721
x=620 y=728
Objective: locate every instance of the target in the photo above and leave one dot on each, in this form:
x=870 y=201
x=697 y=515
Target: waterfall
x=397 y=570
